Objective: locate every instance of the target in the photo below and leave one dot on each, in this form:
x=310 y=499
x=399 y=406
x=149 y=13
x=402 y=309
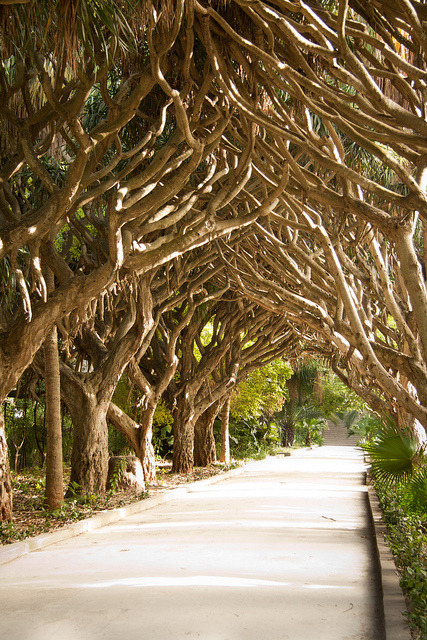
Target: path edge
x=395 y=626
x=16 y=550
x=394 y=605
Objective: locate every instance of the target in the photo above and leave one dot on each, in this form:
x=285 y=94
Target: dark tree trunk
x=5 y=480
x=39 y=444
x=146 y=449
x=138 y=435
x=89 y=456
x=225 y=432
x=288 y=434
x=204 y=440
x=54 y=492
x=183 y=435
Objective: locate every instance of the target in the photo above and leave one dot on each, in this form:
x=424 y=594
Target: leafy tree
x=262 y=392
x=68 y=164
x=284 y=139
x=338 y=398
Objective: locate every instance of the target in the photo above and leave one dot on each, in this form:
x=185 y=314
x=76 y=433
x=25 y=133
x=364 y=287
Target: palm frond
x=349 y=418
x=394 y=453
x=419 y=488
x=74 y=30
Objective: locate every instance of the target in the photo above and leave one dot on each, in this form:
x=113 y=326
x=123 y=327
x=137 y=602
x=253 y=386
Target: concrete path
x=282 y=551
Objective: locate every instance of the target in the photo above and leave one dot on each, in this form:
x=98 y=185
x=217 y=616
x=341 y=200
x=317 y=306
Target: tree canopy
x=270 y=154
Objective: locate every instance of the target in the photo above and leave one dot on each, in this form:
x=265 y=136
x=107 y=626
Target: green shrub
x=406 y=520
x=395 y=453
x=162 y=431
x=309 y=431
x=249 y=438
x=118 y=444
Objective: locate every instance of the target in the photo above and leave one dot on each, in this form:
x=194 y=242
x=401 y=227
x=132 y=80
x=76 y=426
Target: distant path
x=336 y=435
x=282 y=551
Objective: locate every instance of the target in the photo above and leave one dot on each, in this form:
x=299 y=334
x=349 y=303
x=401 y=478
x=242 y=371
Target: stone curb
x=395 y=626
x=17 y=549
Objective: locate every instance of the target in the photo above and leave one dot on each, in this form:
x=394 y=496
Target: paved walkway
x=281 y=551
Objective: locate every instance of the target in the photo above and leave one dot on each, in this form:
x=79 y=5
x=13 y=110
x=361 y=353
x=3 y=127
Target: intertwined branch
x=291 y=133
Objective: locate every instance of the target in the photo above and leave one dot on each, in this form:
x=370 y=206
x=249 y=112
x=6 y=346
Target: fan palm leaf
x=419 y=488
x=395 y=454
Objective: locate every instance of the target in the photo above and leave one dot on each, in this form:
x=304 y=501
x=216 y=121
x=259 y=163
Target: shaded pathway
x=282 y=551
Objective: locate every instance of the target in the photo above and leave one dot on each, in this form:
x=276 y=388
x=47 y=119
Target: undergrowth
x=407 y=537
x=30 y=516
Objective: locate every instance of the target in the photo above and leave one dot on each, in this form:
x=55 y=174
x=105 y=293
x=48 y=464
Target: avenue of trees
x=255 y=168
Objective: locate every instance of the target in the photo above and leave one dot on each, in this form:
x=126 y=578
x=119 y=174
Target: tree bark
x=146 y=449
x=5 y=479
x=288 y=434
x=87 y=401
x=54 y=492
x=19 y=345
x=414 y=282
x=225 y=431
x=89 y=459
x=138 y=435
x=204 y=440
x=183 y=435
x=89 y=456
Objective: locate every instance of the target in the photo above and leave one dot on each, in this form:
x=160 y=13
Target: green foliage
x=26 y=432
x=262 y=391
x=338 y=398
x=301 y=383
x=116 y=476
x=250 y=438
x=117 y=442
x=18 y=421
x=308 y=431
x=254 y=432
x=243 y=439
x=400 y=472
x=408 y=541
x=417 y=494
x=366 y=425
x=74 y=489
x=9 y=533
x=300 y=425
x=123 y=397
x=162 y=430
x=75 y=493
x=127 y=399
x=67 y=511
x=88 y=34
x=394 y=453
x=298 y=401
x=373 y=167
x=206 y=336
x=350 y=418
